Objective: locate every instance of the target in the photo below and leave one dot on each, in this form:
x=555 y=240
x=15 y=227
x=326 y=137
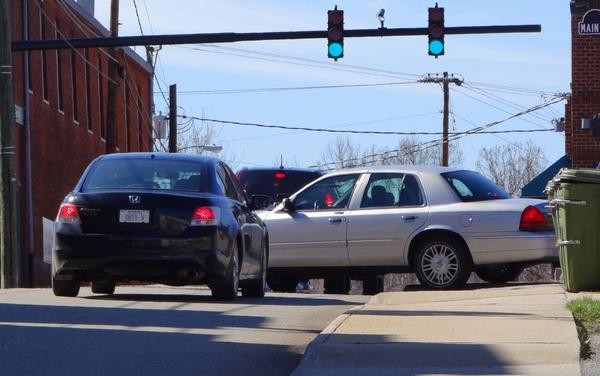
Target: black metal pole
x=146 y=40
x=173 y=118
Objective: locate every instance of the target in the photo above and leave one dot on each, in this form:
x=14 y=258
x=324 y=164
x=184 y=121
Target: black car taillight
x=205 y=216
x=532 y=219
x=68 y=213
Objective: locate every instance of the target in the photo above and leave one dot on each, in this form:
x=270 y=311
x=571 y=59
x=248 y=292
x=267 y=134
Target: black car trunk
x=138 y=213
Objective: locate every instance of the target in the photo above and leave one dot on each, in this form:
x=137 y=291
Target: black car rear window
x=472 y=186
x=275 y=183
x=146 y=174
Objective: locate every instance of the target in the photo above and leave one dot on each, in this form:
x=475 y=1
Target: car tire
x=499 y=274
x=103 y=287
x=256 y=287
x=282 y=284
x=442 y=263
x=68 y=288
x=337 y=284
x=228 y=289
x=373 y=284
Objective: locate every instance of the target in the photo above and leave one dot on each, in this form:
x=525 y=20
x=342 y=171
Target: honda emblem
x=134 y=199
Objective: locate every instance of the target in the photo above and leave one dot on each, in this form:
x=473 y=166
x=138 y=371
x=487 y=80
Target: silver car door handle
x=409 y=217
x=337 y=219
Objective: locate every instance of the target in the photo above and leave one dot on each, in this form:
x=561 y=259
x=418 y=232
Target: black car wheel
x=337 y=284
x=256 y=288
x=228 y=290
x=373 y=284
x=499 y=274
x=65 y=287
x=103 y=287
x=442 y=263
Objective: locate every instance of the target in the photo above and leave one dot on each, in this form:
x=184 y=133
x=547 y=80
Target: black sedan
x=176 y=219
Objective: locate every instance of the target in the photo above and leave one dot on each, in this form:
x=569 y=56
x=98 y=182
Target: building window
x=74 y=85
x=59 y=67
x=101 y=98
x=29 y=53
x=139 y=119
x=88 y=90
x=43 y=55
x=127 y=117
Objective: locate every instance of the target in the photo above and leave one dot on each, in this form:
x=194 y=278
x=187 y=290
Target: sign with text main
x=590 y=23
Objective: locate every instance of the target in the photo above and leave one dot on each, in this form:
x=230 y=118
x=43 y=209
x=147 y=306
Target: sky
x=375 y=85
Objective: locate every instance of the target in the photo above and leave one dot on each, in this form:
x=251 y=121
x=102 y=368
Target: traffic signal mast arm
x=170 y=39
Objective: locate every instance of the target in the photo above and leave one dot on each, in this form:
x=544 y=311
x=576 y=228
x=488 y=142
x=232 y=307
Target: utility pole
x=111 y=128
x=173 y=118
x=445 y=81
x=10 y=254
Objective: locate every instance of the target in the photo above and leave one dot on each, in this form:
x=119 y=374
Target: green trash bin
x=574 y=195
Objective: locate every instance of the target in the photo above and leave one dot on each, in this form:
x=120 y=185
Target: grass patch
x=585 y=309
x=587 y=317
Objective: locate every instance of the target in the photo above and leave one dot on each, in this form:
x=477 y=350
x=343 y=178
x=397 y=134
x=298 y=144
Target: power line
x=290 y=88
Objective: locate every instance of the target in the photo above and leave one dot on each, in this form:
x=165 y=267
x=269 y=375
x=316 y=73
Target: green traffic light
x=335 y=50
x=436 y=47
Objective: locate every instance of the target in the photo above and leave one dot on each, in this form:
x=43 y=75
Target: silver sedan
x=441 y=223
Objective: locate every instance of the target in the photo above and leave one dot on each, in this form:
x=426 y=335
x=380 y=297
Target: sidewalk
x=514 y=330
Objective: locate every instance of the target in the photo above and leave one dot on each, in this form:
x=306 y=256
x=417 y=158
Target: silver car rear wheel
x=442 y=263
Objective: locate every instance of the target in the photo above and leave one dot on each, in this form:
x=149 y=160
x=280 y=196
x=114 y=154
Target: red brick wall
x=580 y=145
x=65 y=137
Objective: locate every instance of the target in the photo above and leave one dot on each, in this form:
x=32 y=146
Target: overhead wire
x=289 y=88
x=505 y=101
x=477 y=130
x=493 y=106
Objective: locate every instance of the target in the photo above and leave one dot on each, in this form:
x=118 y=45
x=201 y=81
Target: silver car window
x=330 y=193
x=391 y=190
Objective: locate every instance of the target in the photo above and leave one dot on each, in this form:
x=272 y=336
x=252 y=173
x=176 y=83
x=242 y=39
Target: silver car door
x=392 y=208
x=314 y=233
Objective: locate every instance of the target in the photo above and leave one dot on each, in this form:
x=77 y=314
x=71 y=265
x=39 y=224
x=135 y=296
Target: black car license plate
x=134 y=216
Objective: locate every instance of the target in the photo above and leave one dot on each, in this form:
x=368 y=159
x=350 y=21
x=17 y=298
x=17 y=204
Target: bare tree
x=341 y=153
x=197 y=137
x=410 y=151
x=513 y=165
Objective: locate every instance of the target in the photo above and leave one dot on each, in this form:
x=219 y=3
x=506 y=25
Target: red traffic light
x=436 y=15
x=335 y=17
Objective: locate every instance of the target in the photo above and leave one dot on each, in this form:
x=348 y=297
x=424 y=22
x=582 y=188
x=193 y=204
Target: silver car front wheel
x=442 y=263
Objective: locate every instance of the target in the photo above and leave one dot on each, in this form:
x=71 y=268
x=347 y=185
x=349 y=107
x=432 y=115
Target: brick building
x=581 y=146
x=61 y=101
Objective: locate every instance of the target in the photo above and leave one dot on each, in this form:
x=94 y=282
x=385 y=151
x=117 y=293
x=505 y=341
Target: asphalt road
x=159 y=330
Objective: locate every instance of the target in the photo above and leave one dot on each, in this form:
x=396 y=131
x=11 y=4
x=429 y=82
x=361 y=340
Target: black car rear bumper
x=170 y=261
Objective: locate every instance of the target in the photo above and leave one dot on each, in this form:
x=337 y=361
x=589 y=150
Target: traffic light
x=436 y=32
x=335 y=34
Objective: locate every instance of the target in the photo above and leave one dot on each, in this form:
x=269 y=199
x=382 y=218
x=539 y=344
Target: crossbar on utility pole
x=168 y=39
x=445 y=81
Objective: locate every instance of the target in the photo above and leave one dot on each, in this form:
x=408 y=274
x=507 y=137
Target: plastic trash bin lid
x=580 y=175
